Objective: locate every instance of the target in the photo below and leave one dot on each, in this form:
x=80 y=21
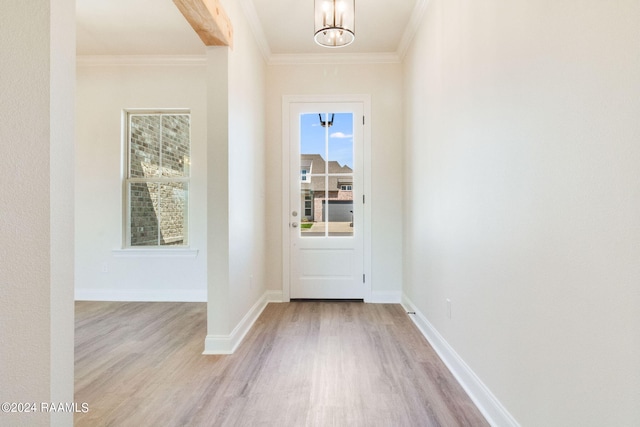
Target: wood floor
x=302 y=364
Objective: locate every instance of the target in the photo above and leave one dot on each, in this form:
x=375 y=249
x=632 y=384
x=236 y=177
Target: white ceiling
x=156 y=27
x=133 y=27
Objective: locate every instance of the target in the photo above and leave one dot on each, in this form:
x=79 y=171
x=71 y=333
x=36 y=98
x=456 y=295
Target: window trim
x=155 y=252
x=170 y=250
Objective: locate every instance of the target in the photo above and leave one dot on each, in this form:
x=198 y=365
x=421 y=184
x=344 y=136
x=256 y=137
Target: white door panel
x=326 y=170
x=326 y=263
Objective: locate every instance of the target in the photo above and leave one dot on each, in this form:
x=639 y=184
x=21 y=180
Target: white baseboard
x=274 y=296
x=385 y=297
x=487 y=403
x=227 y=344
x=146 y=295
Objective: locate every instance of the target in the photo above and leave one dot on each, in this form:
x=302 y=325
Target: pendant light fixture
x=334 y=22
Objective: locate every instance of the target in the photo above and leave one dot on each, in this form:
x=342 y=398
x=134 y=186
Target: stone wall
x=159 y=149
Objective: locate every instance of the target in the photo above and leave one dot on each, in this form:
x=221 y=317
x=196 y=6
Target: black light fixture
x=327 y=123
x=334 y=22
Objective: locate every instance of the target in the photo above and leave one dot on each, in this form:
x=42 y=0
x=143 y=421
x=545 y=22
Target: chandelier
x=334 y=22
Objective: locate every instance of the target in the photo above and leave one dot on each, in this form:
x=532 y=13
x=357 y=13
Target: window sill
x=155 y=253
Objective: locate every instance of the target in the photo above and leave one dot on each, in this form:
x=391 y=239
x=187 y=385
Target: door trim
x=287 y=100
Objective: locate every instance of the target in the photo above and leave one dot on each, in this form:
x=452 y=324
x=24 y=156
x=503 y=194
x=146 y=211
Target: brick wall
x=159 y=148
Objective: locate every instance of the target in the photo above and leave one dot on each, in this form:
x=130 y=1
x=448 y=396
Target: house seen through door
x=326 y=201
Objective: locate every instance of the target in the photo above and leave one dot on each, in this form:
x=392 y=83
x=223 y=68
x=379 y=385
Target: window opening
x=157 y=179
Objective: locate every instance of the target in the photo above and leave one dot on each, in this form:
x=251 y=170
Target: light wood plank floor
x=302 y=364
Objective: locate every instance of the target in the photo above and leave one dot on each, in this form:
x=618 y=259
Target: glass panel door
x=326 y=239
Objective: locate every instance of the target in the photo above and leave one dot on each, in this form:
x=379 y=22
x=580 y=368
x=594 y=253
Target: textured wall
x=36 y=207
x=25 y=252
x=522 y=200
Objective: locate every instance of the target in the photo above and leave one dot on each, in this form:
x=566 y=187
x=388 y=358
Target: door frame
x=287 y=100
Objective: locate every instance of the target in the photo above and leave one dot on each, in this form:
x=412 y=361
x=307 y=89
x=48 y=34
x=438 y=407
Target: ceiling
x=156 y=27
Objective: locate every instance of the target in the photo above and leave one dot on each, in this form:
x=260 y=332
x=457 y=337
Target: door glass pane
x=326 y=187
x=312 y=145
x=311 y=223
x=338 y=208
x=340 y=144
x=313 y=149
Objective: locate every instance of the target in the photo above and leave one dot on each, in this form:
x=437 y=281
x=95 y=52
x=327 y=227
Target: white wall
x=36 y=207
x=384 y=83
x=246 y=168
x=236 y=264
x=522 y=200
x=62 y=199
x=103 y=91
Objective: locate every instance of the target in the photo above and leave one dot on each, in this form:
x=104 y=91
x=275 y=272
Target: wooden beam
x=209 y=20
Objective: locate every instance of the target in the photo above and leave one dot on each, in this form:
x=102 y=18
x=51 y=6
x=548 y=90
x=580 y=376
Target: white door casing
x=331 y=260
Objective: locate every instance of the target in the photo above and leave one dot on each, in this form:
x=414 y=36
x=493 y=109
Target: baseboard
x=385 y=297
x=227 y=344
x=274 y=296
x=487 y=403
x=146 y=295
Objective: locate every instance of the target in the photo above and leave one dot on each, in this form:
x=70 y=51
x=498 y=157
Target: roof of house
x=316 y=165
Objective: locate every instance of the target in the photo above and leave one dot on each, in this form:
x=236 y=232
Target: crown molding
x=270 y=58
x=251 y=15
x=103 y=60
x=412 y=28
x=334 y=58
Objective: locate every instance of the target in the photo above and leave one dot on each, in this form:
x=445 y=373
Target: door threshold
x=326 y=300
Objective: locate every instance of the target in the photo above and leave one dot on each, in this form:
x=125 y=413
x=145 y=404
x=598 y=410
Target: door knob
x=294 y=224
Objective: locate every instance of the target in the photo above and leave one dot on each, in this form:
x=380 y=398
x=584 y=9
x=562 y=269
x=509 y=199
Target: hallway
x=303 y=363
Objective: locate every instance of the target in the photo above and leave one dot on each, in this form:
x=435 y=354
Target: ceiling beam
x=209 y=20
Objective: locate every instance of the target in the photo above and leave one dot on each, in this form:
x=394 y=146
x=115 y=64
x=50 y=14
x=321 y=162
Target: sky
x=313 y=137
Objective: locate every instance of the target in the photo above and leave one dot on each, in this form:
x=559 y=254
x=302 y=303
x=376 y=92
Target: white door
x=326 y=226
